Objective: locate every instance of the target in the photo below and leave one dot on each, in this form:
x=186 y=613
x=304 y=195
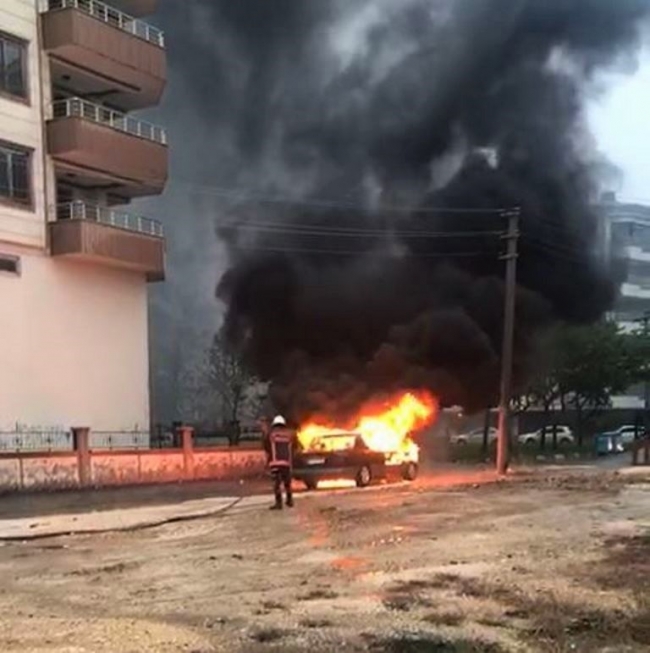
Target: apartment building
x=75 y=261
x=628 y=236
x=627 y=241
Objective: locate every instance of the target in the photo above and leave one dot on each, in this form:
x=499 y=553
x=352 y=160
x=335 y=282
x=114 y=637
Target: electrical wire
x=360 y=253
x=561 y=250
x=560 y=254
x=351 y=232
x=248 y=195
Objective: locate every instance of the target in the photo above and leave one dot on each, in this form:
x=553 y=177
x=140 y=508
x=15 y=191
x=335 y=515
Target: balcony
x=635 y=291
x=103 y=236
x=104 y=54
x=105 y=150
x=137 y=7
x=638 y=255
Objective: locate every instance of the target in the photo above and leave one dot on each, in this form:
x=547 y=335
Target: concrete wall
x=21 y=124
x=74 y=346
x=34 y=471
x=52 y=472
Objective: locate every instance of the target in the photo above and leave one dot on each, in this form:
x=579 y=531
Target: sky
x=622 y=130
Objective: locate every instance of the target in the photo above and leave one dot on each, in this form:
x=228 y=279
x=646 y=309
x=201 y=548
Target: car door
x=361 y=455
x=626 y=435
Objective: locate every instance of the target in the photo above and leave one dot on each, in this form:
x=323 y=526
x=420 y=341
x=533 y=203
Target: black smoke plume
x=372 y=145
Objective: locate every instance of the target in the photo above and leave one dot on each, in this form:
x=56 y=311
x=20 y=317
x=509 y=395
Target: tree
x=584 y=366
x=237 y=391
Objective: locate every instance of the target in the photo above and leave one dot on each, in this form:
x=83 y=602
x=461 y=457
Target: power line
x=308 y=230
x=360 y=253
x=564 y=255
x=249 y=196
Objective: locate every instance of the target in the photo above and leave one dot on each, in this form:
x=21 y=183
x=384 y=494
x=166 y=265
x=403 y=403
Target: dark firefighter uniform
x=279 y=449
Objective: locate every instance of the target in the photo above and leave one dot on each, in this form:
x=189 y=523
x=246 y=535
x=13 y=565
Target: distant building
x=627 y=242
x=74 y=266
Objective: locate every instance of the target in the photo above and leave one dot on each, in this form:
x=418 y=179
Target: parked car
x=347 y=457
x=618 y=440
x=564 y=436
x=474 y=437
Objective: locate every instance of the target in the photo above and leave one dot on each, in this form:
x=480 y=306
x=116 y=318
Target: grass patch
x=117 y=568
x=627 y=563
x=318 y=594
x=444 y=619
x=316 y=623
x=550 y=623
x=271 y=606
x=431 y=644
x=410 y=595
x=269 y=635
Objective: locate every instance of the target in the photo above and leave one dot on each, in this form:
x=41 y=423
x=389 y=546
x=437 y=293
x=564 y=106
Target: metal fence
x=160 y=437
x=79 y=210
x=75 y=107
x=113 y=17
x=119 y=440
x=34 y=441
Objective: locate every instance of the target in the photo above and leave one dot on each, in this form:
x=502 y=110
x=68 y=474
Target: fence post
x=81 y=444
x=187 y=442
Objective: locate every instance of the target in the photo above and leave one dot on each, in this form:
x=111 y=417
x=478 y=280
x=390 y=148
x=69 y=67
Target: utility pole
x=503 y=438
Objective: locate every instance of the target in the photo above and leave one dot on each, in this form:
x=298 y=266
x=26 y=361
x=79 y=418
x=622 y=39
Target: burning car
x=378 y=447
x=346 y=457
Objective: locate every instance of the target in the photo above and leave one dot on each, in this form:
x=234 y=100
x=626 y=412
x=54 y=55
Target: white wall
x=73 y=336
x=22 y=124
x=73 y=345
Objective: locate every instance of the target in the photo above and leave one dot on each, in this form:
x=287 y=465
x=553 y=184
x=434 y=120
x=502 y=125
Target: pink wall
x=114 y=468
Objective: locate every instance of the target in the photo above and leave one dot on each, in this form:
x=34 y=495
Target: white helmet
x=278 y=420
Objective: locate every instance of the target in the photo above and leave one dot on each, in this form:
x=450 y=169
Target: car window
x=335 y=442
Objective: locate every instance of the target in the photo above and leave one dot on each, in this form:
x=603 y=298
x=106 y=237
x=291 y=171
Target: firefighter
x=279 y=449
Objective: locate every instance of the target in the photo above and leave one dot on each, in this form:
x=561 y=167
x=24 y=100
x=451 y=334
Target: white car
x=622 y=438
x=474 y=437
x=564 y=436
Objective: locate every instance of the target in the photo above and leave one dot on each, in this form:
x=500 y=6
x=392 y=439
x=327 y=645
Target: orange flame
x=384 y=426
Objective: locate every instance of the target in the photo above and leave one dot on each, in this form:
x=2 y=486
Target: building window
x=9 y=264
x=15 y=182
x=13 y=57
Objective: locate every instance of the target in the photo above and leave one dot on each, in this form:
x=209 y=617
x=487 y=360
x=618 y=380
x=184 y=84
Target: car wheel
x=311 y=485
x=364 y=476
x=410 y=472
x=530 y=442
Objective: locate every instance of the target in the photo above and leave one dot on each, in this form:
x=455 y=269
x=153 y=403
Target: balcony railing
x=81 y=211
x=78 y=108
x=113 y=17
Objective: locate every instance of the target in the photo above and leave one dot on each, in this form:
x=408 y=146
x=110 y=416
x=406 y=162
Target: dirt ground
x=555 y=562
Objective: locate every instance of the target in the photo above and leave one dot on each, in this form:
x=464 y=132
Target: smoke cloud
x=361 y=153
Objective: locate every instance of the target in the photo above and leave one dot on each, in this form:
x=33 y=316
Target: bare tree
x=238 y=392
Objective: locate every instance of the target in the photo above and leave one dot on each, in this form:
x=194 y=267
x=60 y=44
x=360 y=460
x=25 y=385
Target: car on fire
x=346 y=456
